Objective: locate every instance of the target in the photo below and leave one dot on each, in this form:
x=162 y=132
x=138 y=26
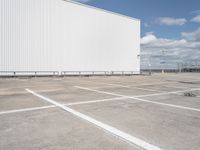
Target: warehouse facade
x=62 y=36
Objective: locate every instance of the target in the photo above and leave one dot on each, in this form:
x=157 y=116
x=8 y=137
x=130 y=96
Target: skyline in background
x=170 y=30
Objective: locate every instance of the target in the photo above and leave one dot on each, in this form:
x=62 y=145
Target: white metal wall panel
x=55 y=35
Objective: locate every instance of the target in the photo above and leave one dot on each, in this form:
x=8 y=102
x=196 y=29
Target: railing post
x=79 y=73
x=53 y=74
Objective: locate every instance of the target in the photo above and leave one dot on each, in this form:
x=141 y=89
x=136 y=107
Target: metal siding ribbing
x=48 y=35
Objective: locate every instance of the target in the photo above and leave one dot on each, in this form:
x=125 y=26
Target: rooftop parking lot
x=161 y=111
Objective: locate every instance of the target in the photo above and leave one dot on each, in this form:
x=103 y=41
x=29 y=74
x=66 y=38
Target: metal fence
x=171 y=70
x=28 y=73
x=98 y=73
x=65 y=73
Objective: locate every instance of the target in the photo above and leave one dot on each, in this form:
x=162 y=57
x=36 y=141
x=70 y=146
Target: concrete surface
x=165 y=126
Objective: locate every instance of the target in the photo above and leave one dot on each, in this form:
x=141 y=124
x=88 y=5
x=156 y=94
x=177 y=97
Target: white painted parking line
x=128 y=86
x=114 y=131
x=176 y=87
x=144 y=100
x=166 y=93
x=119 y=85
x=145 y=89
x=25 y=92
x=22 y=87
x=24 y=80
x=132 y=85
x=67 y=104
x=135 y=87
x=109 y=84
x=147 y=95
x=95 y=101
x=25 y=109
x=158 y=83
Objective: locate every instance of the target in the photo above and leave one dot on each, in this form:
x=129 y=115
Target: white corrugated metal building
x=57 y=35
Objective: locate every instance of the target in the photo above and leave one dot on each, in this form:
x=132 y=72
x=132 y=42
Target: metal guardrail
x=82 y=73
x=124 y=72
x=28 y=73
x=172 y=70
x=93 y=73
x=65 y=73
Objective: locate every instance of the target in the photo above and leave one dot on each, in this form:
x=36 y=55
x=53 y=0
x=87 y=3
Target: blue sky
x=170 y=25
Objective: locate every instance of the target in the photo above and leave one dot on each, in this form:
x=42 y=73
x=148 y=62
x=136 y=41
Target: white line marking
x=98 y=91
x=24 y=80
x=148 y=84
x=177 y=87
x=25 y=109
x=16 y=87
x=147 y=95
x=95 y=101
x=135 y=87
x=166 y=93
x=144 y=89
x=144 y=100
x=129 y=86
x=151 y=90
x=109 y=84
x=58 y=79
x=67 y=104
x=170 y=105
x=102 y=125
x=119 y=85
x=25 y=92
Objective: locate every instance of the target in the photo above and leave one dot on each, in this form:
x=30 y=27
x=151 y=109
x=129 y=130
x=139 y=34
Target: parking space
x=175 y=99
x=124 y=91
x=53 y=129
x=168 y=128
x=120 y=112
x=72 y=94
x=19 y=101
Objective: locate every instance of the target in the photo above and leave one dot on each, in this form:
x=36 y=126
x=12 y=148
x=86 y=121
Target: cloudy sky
x=170 y=31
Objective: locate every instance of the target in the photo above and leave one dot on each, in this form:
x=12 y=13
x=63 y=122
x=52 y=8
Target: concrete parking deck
x=110 y=113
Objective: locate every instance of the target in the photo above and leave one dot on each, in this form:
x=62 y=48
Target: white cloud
x=149 y=37
x=168 y=21
x=184 y=50
x=192 y=36
x=196 y=19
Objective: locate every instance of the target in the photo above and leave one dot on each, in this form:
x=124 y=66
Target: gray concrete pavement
x=163 y=126
x=54 y=129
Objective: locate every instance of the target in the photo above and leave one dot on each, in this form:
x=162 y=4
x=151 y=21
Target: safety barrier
x=65 y=73
x=97 y=73
x=28 y=73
